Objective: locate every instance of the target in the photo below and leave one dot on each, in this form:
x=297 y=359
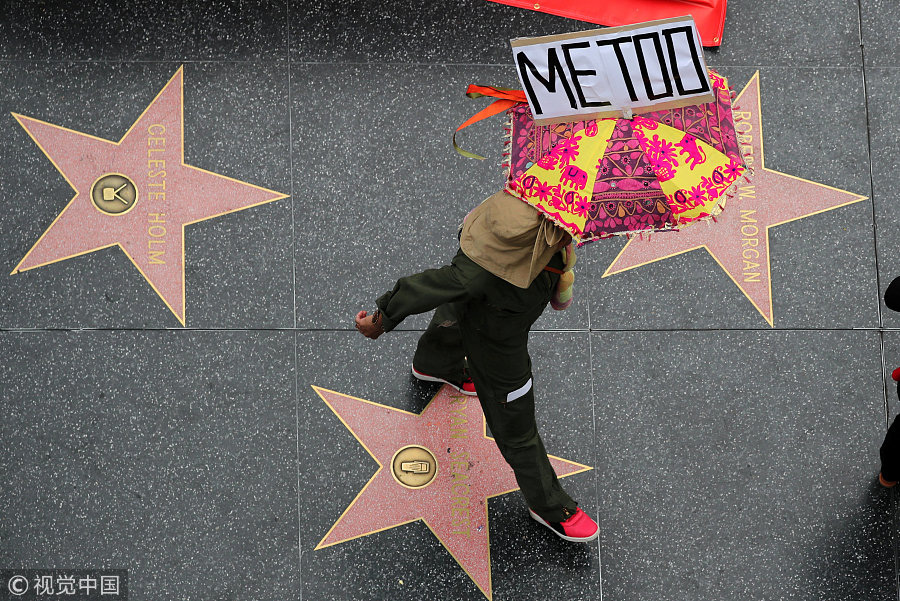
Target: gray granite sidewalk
x=732 y=458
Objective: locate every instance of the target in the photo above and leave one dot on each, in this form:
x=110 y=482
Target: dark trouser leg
x=890 y=452
x=495 y=337
x=515 y=431
x=440 y=350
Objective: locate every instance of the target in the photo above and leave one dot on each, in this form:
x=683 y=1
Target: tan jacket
x=509 y=238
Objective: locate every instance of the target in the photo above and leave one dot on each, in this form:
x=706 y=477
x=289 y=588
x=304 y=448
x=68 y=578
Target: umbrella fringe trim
x=507 y=145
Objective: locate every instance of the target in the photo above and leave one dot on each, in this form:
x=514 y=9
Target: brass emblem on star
x=414 y=466
x=114 y=194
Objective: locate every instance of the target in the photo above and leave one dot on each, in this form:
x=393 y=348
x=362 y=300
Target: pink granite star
x=739 y=239
x=136 y=194
x=454 y=505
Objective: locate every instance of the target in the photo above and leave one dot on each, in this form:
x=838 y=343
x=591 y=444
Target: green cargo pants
x=488 y=337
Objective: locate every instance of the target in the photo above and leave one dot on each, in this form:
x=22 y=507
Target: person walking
x=509 y=266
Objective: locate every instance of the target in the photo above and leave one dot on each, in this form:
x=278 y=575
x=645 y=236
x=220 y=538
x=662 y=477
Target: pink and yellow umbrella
x=659 y=171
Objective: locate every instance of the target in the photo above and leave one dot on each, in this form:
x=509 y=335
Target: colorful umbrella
x=599 y=178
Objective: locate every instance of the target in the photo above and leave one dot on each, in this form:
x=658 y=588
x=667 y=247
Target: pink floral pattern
x=627 y=196
x=712 y=122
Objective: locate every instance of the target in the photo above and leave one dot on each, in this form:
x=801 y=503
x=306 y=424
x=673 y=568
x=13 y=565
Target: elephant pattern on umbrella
x=634 y=188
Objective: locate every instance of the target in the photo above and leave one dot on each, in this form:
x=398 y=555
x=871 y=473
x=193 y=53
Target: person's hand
x=370 y=327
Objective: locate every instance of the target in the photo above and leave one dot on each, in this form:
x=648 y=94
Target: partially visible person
x=890 y=448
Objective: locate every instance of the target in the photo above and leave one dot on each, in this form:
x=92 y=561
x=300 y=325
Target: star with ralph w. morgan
x=437 y=466
x=739 y=239
x=137 y=194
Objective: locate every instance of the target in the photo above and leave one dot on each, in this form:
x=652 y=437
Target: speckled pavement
x=164 y=384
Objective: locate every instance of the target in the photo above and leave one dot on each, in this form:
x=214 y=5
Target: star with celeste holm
x=168 y=194
x=454 y=505
x=739 y=238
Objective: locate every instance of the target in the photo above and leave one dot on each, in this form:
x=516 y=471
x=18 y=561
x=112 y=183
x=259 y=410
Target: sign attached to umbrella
x=613 y=72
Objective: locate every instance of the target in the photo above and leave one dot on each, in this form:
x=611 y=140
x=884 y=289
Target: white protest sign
x=614 y=71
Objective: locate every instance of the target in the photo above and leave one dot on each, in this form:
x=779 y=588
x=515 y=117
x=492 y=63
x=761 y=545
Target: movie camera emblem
x=114 y=194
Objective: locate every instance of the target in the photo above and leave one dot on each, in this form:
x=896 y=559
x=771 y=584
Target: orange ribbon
x=506 y=98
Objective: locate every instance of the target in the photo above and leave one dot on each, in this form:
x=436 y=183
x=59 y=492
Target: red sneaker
x=467 y=387
x=579 y=528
